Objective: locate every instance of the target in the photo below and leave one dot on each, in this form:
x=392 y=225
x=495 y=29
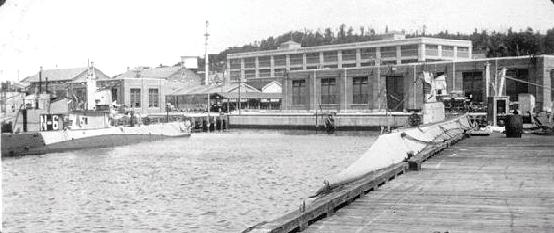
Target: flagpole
x=206 y=68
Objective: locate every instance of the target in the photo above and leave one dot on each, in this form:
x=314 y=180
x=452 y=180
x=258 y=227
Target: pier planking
x=482 y=184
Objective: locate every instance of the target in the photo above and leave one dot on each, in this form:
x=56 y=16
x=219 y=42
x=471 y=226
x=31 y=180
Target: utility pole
x=240 y=83
x=206 y=66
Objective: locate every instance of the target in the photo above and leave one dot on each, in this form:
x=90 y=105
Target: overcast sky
x=129 y=33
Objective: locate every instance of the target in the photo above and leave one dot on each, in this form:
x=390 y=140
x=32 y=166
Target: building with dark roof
x=59 y=81
x=143 y=89
x=171 y=73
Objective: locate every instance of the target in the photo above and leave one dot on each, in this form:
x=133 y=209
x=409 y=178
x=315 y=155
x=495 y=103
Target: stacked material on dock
x=396 y=147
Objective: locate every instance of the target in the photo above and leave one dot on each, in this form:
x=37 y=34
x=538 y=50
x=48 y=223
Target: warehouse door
x=473 y=86
x=395 y=93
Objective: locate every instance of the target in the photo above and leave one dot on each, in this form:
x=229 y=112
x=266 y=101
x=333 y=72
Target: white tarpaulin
x=393 y=148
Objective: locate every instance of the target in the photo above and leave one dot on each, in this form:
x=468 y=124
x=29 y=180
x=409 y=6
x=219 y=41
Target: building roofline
x=373 y=43
x=133 y=79
x=431 y=63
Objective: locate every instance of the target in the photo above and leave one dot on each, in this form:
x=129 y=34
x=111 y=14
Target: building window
x=298 y=92
x=250 y=63
x=235 y=75
x=447 y=51
x=390 y=62
x=153 y=97
x=331 y=56
x=264 y=61
x=463 y=52
x=265 y=72
x=312 y=58
x=349 y=55
x=348 y=65
x=278 y=72
x=388 y=52
x=407 y=61
x=280 y=60
x=115 y=95
x=360 y=91
x=367 y=53
x=235 y=64
x=369 y=63
x=296 y=59
x=135 y=97
x=431 y=50
x=409 y=50
x=250 y=74
x=328 y=89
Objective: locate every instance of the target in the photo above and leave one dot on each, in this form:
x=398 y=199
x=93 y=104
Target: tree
x=548 y=41
x=492 y=44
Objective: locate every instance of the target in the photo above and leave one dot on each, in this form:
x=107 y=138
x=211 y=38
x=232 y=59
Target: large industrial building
x=393 y=48
x=399 y=87
x=386 y=74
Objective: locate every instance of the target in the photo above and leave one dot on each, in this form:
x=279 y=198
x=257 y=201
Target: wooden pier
x=482 y=184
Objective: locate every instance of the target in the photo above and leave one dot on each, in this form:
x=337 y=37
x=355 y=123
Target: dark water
x=205 y=183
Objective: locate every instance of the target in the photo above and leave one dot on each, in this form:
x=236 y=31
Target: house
x=62 y=82
x=143 y=89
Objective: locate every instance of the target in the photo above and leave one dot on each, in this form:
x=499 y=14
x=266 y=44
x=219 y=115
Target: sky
x=130 y=33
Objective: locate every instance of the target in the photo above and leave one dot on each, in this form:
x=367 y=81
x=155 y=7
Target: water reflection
x=206 y=183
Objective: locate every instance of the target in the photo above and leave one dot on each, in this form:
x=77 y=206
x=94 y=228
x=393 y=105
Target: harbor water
x=216 y=182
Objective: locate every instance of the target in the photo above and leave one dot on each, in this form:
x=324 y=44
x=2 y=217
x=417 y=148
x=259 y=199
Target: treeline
x=489 y=43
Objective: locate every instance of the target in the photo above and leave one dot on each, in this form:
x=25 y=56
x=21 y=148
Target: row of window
x=446 y=51
x=277 y=72
x=153 y=97
x=329 y=95
x=348 y=55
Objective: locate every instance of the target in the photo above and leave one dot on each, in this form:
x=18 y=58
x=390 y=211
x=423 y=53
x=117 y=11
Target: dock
x=481 y=184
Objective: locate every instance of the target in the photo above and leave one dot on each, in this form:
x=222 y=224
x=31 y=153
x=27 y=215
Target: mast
x=91 y=87
x=206 y=66
x=39 y=87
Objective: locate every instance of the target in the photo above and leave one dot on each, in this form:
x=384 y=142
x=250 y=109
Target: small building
x=62 y=83
x=226 y=97
x=12 y=97
x=143 y=89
